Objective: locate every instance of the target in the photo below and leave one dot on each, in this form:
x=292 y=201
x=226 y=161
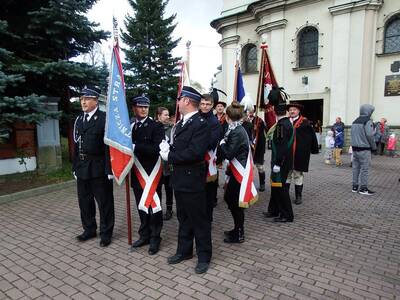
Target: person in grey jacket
x=362 y=143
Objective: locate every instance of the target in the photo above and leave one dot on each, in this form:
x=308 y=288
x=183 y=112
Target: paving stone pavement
x=341 y=246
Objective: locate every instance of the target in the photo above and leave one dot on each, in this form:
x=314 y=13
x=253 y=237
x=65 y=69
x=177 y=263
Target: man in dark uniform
x=305 y=143
x=92 y=169
x=206 y=105
x=190 y=140
x=280 y=207
x=147 y=135
x=258 y=142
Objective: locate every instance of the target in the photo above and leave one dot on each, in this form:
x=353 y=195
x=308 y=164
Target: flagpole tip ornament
x=264 y=45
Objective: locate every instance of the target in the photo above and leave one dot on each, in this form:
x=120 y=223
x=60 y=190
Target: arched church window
x=308 y=47
x=250 y=59
x=392 y=35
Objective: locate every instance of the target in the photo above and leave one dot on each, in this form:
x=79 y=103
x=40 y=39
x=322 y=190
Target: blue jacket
x=338 y=129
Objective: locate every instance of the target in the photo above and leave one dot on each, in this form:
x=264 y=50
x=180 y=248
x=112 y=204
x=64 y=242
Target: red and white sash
x=149 y=185
x=248 y=192
x=211 y=160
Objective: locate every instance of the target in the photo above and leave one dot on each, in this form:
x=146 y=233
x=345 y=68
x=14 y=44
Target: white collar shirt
x=188 y=116
x=90 y=114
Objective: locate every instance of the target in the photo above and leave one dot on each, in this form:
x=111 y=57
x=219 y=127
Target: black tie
x=138 y=124
x=86 y=121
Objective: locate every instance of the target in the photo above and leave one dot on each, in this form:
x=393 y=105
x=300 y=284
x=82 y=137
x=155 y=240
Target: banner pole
x=128 y=209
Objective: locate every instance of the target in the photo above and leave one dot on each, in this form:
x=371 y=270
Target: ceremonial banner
x=238 y=91
x=184 y=80
x=266 y=81
x=118 y=133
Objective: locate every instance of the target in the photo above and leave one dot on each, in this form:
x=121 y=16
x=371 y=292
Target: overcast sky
x=193 y=23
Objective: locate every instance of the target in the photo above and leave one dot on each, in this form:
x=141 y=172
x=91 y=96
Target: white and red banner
x=149 y=184
x=211 y=161
x=248 y=193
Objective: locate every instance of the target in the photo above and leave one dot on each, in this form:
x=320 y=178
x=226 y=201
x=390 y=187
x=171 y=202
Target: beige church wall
x=388 y=107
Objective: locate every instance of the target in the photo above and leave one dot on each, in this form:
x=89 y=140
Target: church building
x=331 y=55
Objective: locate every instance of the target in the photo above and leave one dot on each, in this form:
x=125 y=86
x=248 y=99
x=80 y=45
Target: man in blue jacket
x=362 y=143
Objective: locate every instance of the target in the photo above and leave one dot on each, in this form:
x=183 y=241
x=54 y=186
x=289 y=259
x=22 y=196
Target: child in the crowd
x=391 y=145
x=329 y=146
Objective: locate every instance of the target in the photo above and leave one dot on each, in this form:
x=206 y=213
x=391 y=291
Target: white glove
x=164 y=146
x=164 y=155
x=73 y=173
x=276 y=169
x=222 y=142
x=110 y=177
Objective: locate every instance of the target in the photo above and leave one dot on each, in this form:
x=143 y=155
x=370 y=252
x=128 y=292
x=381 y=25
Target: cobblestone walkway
x=341 y=246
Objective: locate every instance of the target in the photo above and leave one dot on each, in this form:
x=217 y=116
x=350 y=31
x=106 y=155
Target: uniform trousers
x=231 y=198
x=211 y=196
x=100 y=190
x=194 y=223
x=279 y=203
x=168 y=192
x=361 y=162
x=150 y=223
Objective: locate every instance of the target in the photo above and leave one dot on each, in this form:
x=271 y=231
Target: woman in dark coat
x=234 y=145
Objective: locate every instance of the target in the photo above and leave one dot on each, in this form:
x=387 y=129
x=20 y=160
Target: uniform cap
x=191 y=93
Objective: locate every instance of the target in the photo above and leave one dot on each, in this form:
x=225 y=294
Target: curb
x=36 y=191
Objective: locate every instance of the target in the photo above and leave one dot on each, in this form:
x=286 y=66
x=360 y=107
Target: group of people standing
x=185 y=158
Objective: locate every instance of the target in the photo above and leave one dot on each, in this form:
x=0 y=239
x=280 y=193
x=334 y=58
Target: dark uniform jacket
x=236 y=145
x=187 y=153
x=91 y=155
x=282 y=141
x=215 y=128
x=259 y=151
x=305 y=143
x=147 y=139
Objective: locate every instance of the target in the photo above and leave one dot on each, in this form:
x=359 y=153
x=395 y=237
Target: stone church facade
x=332 y=55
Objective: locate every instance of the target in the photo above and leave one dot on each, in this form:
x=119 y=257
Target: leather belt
x=84 y=156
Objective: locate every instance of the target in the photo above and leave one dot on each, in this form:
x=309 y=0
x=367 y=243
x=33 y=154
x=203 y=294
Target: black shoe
x=229 y=233
x=153 y=249
x=269 y=215
x=201 y=267
x=85 y=236
x=140 y=242
x=355 y=189
x=298 y=201
x=105 y=242
x=365 y=191
x=167 y=215
x=234 y=239
x=282 y=220
x=177 y=258
x=261 y=188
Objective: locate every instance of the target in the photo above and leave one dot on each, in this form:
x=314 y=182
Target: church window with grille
x=392 y=35
x=250 y=63
x=308 y=47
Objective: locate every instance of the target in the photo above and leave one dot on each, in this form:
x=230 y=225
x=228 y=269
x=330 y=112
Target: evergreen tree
x=45 y=35
x=29 y=108
x=150 y=67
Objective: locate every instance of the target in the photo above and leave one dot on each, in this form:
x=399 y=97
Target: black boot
x=262 y=181
x=236 y=236
x=298 y=190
